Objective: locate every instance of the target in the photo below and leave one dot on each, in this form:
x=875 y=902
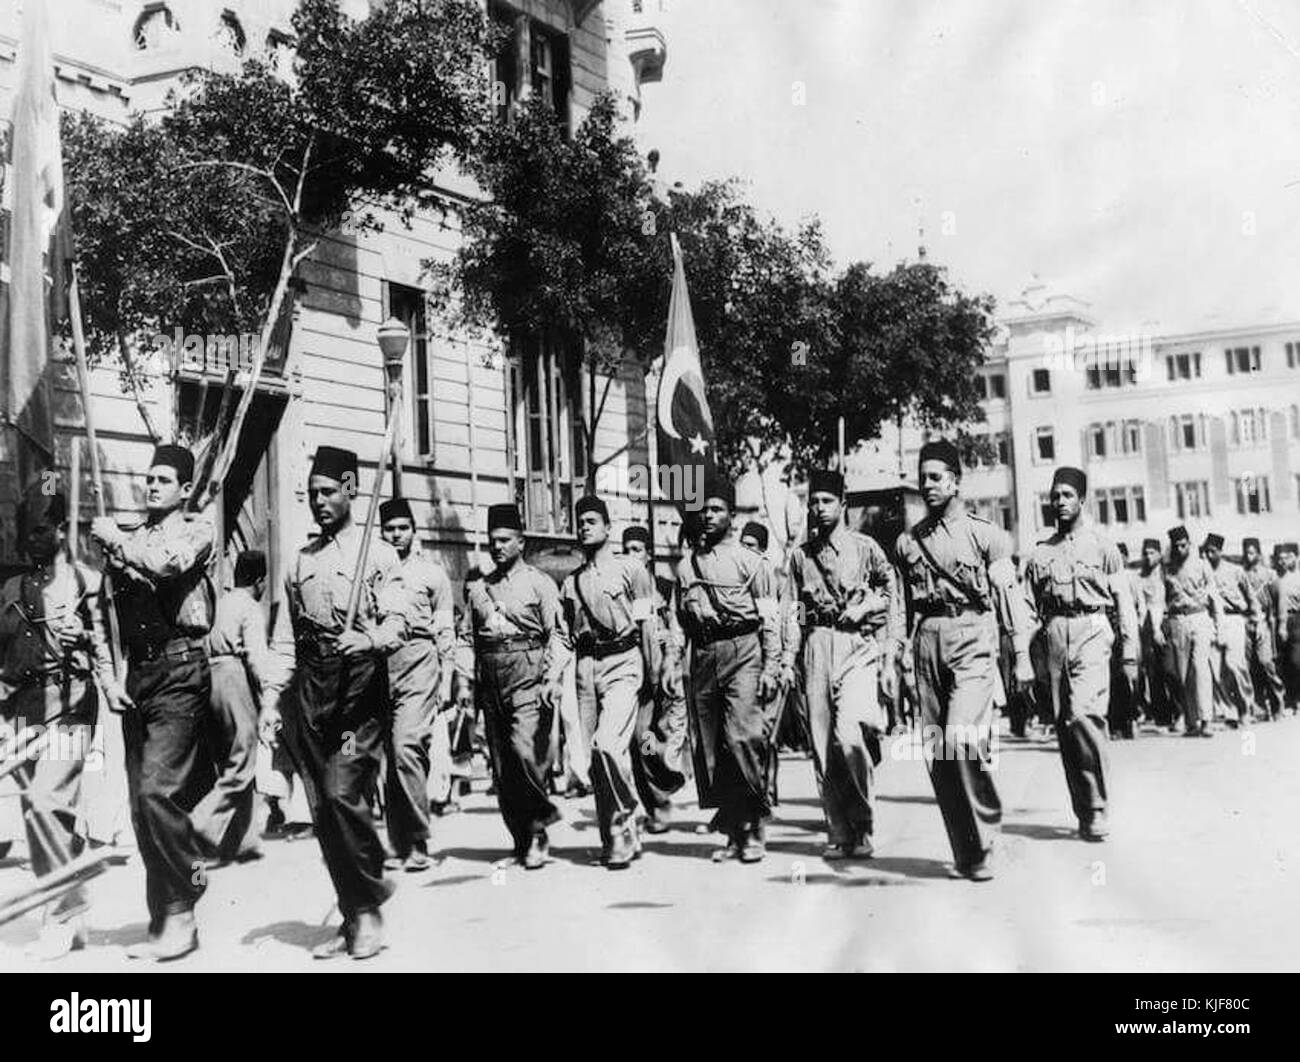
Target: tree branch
x=248 y=168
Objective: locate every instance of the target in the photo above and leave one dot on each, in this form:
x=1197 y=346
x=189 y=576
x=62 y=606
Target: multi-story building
x=481 y=425
x=1198 y=428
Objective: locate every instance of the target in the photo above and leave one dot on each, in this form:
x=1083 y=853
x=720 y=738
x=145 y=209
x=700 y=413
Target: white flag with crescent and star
x=685 y=425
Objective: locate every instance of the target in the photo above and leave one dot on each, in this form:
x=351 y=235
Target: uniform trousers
x=1234 y=692
x=167 y=769
x=1261 y=654
x=955 y=661
x=1079 y=669
x=334 y=726
x=224 y=816
x=840 y=690
x=734 y=732
x=608 y=699
x=414 y=675
x=518 y=726
x=1189 y=636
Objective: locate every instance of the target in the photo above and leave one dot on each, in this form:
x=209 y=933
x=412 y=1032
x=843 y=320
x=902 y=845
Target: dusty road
x=1202 y=872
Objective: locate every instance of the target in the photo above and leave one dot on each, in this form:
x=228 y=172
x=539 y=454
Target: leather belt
x=518 y=644
x=708 y=633
x=1073 y=610
x=950 y=609
x=587 y=644
x=57 y=677
x=176 y=650
x=1197 y=610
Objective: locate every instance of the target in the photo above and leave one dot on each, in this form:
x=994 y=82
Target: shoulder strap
x=601 y=630
x=946 y=576
x=708 y=587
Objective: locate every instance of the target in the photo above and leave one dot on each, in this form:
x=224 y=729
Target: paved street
x=1201 y=873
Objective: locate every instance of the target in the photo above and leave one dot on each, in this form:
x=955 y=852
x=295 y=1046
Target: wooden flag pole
x=96 y=471
x=393 y=339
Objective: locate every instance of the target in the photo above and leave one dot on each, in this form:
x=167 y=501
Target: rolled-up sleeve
x=185 y=545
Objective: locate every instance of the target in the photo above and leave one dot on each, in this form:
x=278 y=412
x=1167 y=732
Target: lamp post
x=393 y=339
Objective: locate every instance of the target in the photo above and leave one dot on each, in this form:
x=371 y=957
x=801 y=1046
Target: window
x=1295 y=422
x=1242 y=360
x=982 y=386
x=1004 y=514
x=230 y=34
x=1101 y=506
x=1132 y=437
x=1046 y=512
x=545 y=437
x=546 y=54
x=408 y=306
x=1045 y=445
x=1183 y=366
x=1193 y=499
x=998 y=385
x=1004 y=448
x=1293 y=355
x=1187 y=432
x=1249 y=427
x=155 y=28
x=1138 y=497
x=1252 y=495
x=1096 y=440
x=1119 y=504
x=1040 y=382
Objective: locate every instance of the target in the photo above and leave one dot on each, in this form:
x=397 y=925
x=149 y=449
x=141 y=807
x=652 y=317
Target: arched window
x=155 y=27
x=230 y=34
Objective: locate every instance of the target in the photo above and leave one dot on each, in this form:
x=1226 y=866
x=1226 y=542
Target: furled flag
x=38 y=254
x=685 y=425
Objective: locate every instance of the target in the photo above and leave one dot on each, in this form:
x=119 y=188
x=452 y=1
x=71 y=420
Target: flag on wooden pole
x=685 y=426
x=35 y=294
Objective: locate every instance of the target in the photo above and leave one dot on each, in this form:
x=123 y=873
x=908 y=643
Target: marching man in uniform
x=843 y=587
x=1261 y=645
x=1234 y=691
x=608 y=609
x=52 y=647
x=1076 y=576
x=727 y=607
x=165 y=604
x=513 y=618
x=1288 y=621
x=1185 y=617
x=419 y=673
x=336 y=728
x=240 y=660
x=958 y=573
x=658 y=743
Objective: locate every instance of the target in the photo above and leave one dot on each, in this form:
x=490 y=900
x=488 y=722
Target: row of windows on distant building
x=1187 y=432
x=1238 y=361
x=1121 y=506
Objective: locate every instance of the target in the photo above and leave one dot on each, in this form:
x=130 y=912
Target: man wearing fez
x=165 y=605
x=843 y=586
x=1234 y=692
x=419 y=678
x=1077 y=576
x=241 y=661
x=1186 y=618
x=1288 y=621
x=728 y=610
x=513 y=618
x=52 y=647
x=1156 y=664
x=1261 y=646
x=660 y=736
x=609 y=623
x=336 y=726
x=961 y=584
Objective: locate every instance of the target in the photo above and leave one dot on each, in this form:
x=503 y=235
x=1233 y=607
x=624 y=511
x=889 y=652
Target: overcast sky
x=1143 y=155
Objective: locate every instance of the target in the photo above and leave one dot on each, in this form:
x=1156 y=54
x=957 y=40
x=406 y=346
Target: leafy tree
x=566 y=243
x=203 y=218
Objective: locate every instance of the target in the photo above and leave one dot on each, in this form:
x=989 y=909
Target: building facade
x=1197 y=428
x=480 y=424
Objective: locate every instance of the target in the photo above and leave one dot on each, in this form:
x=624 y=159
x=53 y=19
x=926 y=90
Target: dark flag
x=37 y=262
x=685 y=425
